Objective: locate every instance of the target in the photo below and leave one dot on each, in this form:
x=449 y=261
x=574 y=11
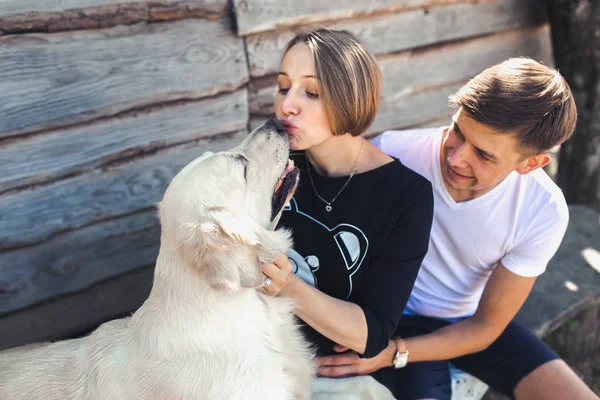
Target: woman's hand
x=348 y=363
x=277 y=275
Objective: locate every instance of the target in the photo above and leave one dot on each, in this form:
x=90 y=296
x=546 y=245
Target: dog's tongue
x=289 y=167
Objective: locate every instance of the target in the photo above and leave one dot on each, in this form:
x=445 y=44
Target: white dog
x=204 y=332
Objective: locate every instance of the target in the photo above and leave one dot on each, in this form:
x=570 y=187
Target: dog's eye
x=240 y=158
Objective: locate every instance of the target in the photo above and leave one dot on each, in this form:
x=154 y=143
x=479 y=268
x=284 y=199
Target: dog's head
x=218 y=214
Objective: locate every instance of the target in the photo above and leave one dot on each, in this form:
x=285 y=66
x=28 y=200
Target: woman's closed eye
x=312 y=95
x=283 y=90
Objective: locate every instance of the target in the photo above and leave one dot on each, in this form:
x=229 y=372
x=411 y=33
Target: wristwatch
x=400 y=359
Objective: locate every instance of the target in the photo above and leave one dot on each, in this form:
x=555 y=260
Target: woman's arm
x=341 y=321
x=367 y=321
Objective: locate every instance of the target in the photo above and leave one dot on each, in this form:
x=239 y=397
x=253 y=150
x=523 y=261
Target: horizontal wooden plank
x=76 y=260
x=77 y=313
x=253 y=16
x=71 y=261
x=50 y=80
x=417 y=83
x=18 y=16
x=80 y=201
x=394 y=32
x=12 y=7
x=43 y=158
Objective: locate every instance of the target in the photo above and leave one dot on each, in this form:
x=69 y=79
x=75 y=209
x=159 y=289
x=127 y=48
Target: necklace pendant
x=328 y=208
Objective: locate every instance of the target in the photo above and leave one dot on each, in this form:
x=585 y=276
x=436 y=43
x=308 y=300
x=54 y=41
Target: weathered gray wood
x=48 y=157
x=389 y=33
x=418 y=83
x=11 y=7
x=254 y=16
x=36 y=215
x=76 y=260
x=571 y=282
x=54 y=16
x=77 y=313
x=54 y=79
x=71 y=261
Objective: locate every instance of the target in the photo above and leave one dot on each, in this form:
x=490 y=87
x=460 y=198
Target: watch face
x=401 y=359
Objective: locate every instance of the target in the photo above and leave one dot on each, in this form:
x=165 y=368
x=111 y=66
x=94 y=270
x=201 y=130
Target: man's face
x=475 y=158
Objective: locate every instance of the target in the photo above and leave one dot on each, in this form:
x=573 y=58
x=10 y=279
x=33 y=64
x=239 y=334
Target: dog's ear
x=225 y=249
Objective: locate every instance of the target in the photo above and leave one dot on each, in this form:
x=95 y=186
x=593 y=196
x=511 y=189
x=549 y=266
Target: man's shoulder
x=543 y=192
x=395 y=140
x=415 y=148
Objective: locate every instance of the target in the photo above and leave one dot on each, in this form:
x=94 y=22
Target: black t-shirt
x=367 y=249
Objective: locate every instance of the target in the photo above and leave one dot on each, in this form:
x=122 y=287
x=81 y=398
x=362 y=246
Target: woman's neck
x=337 y=156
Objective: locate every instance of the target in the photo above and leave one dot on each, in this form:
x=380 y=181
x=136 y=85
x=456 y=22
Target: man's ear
x=532 y=163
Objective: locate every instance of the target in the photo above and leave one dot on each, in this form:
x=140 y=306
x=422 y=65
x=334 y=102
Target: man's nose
x=458 y=155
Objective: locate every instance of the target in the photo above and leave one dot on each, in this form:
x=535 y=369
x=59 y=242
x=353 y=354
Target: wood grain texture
x=77 y=250
x=54 y=16
x=394 y=32
x=418 y=83
x=12 y=7
x=77 y=313
x=36 y=215
x=253 y=16
x=49 y=157
x=56 y=79
x=76 y=260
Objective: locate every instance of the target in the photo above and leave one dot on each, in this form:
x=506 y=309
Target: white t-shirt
x=520 y=222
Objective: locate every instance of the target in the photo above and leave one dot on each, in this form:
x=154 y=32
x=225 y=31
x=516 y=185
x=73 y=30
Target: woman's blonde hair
x=349 y=79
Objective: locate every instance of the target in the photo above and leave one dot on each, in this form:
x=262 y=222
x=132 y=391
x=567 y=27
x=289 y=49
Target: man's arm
x=503 y=296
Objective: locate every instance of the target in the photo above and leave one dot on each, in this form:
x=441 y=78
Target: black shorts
x=515 y=354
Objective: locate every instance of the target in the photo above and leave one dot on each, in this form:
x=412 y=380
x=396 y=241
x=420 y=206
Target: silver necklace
x=328 y=204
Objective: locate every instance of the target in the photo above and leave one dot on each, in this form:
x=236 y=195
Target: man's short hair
x=523 y=97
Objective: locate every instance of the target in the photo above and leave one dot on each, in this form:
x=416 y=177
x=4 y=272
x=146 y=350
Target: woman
x=360 y=219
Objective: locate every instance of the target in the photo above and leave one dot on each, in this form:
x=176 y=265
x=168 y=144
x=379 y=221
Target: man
x=498 y=219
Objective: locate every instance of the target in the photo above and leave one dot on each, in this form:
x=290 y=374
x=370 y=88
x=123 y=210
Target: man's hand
x=349 y=363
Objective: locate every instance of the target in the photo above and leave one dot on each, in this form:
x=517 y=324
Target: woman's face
x=297 y=102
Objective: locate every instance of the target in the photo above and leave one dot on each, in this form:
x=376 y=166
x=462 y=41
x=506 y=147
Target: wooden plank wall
x=426 y=49
x=94 y=123
x=102 y=102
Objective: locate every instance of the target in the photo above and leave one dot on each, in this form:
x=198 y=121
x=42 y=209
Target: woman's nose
x=290 y=106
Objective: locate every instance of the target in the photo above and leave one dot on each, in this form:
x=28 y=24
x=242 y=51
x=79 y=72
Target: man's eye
x=482 y=155
x=312 y=95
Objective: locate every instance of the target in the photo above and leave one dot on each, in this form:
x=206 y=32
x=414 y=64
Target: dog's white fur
x=204 y=332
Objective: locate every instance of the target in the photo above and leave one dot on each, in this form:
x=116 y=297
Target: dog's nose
x=277 y=127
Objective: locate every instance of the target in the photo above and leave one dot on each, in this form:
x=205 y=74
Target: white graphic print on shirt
x=350 y=241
